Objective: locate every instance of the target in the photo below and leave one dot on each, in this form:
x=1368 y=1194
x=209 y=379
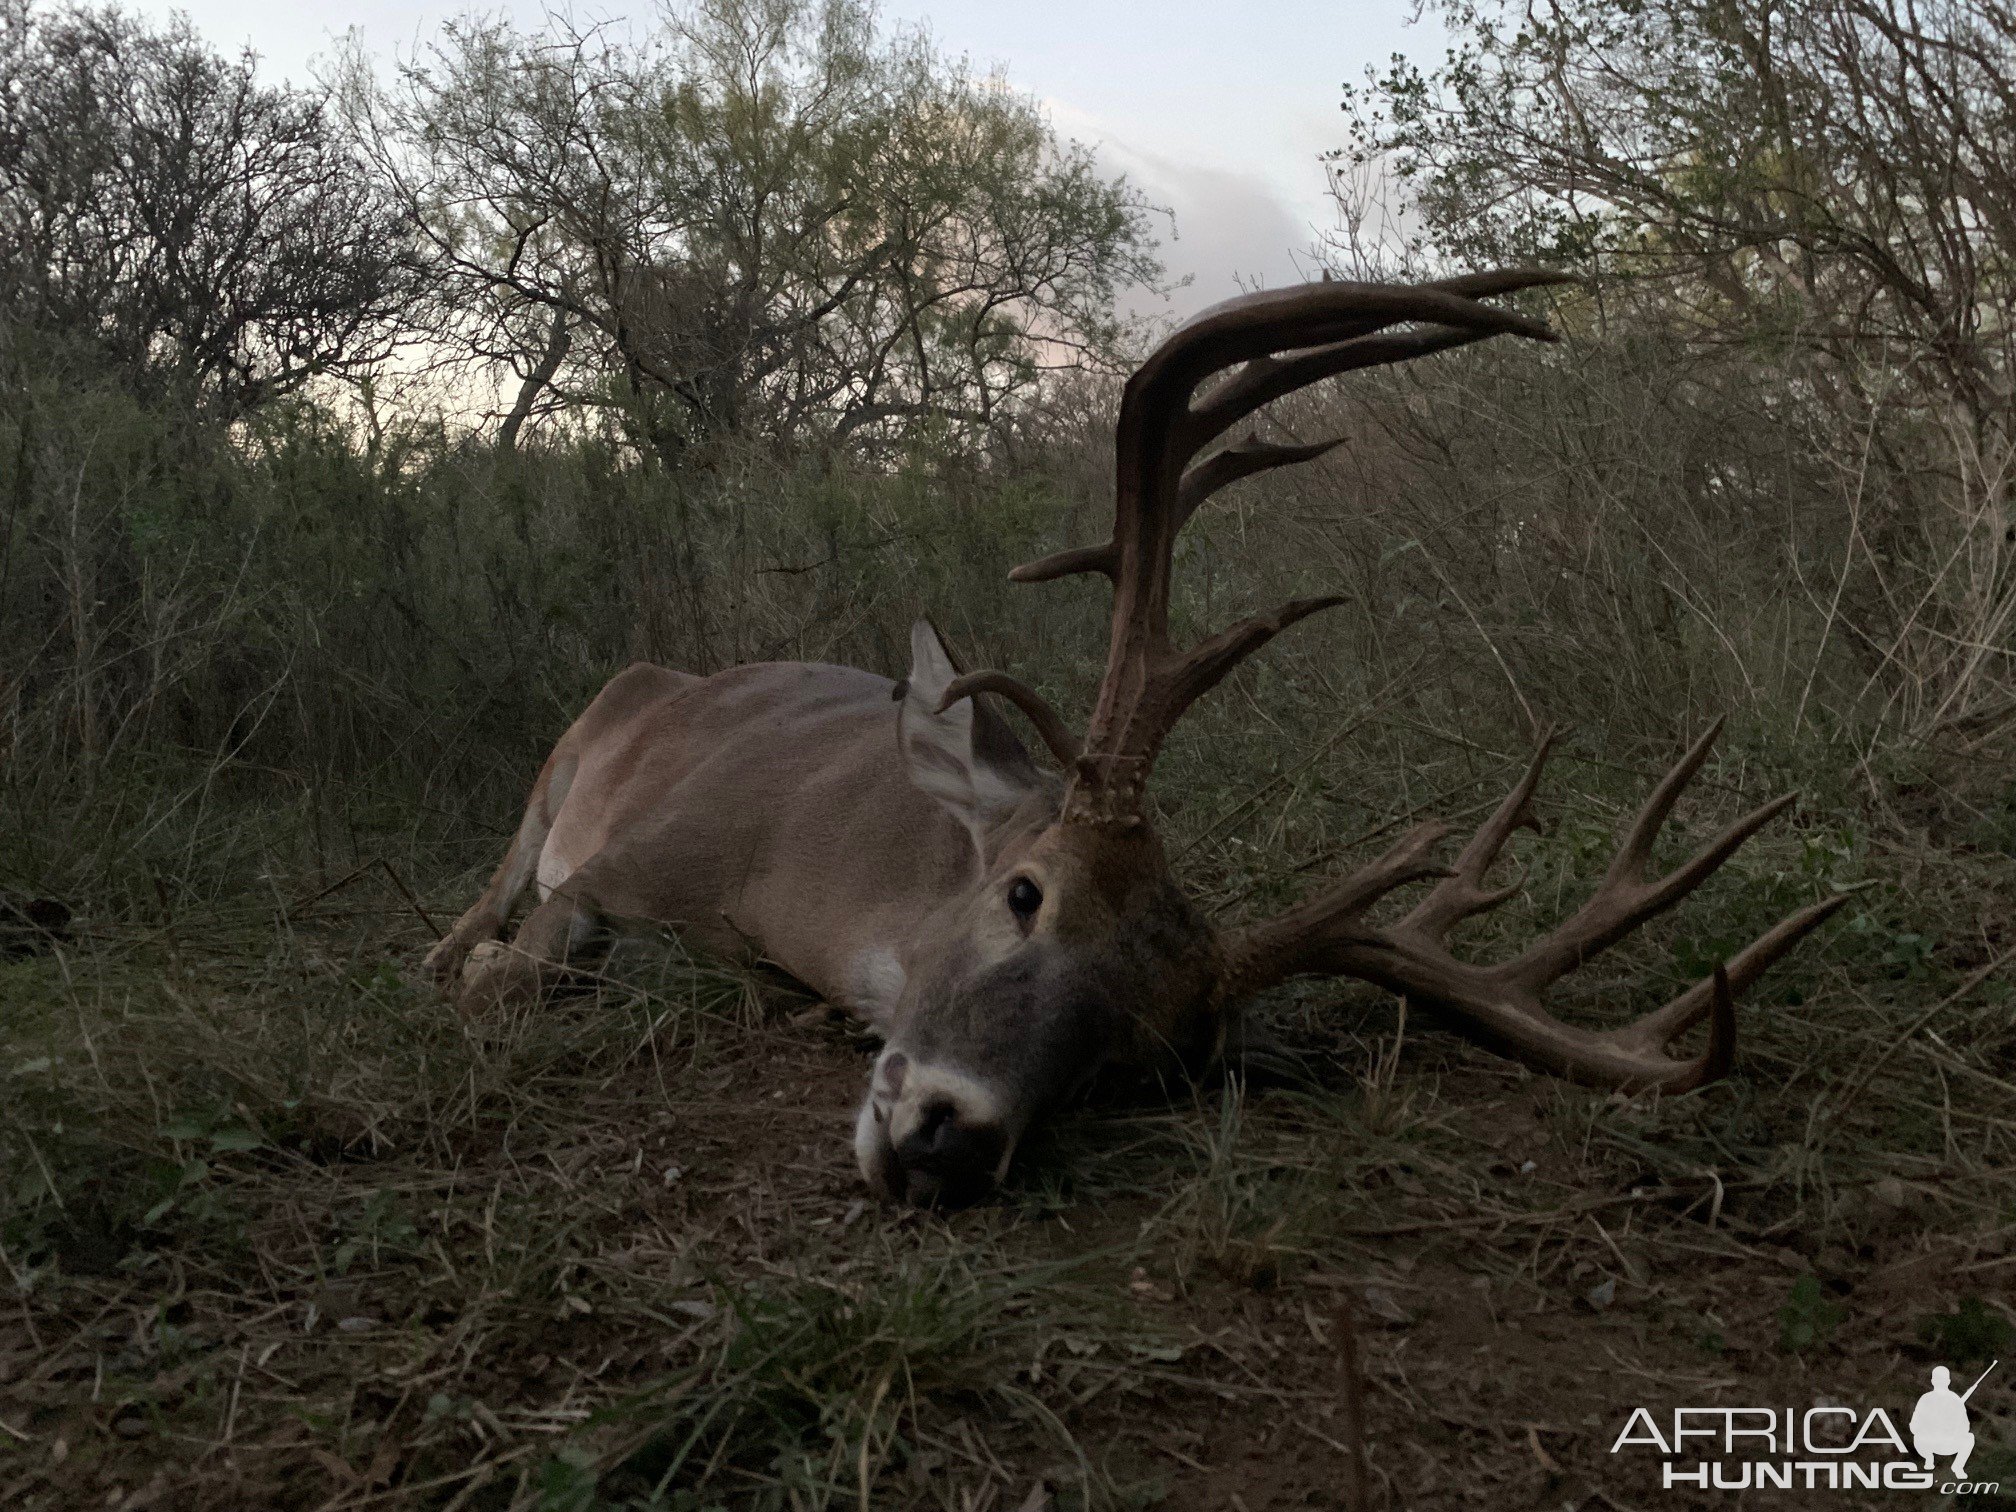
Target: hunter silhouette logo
x=1939 y=1421
x=1825 y=1447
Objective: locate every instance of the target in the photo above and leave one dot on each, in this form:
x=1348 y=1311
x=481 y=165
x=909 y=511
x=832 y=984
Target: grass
x=281 y=1230
x=278 y=1230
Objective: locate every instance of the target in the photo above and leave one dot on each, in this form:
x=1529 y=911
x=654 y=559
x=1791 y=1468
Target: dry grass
x=282 y=1232
x=279 y=1231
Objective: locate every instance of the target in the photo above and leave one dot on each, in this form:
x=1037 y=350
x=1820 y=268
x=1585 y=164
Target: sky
x=1217 y=109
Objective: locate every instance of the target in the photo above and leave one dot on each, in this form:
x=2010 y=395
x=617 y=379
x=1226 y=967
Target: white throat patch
x=874 y=983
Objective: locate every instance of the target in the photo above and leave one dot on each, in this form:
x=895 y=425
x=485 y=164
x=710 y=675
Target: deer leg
x=485 y=922
x=625 y=696
x=520 y=974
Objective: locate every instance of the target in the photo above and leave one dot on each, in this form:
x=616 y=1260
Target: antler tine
x=1504 y=1005
x=1463 y=893
x=1047 y=722
x=1258 y=385
x=1285 y=339
x=1455 y=319
x=1198 y=672
x=1659 y=1028
x=1635 y=853
x=1330 y=328
x=1719 y=1059
x=1104 y=558
x=1502 y=281
x=1240 y=460
x=1299 y=940
x=1624 y=899
x=1264 y=380
x=1260 y=326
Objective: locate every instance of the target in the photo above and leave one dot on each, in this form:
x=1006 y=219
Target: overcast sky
x=1217 y=108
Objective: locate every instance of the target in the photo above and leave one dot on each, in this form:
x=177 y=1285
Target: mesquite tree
x=762 y=222
x=198 y=231
x=1825 y=190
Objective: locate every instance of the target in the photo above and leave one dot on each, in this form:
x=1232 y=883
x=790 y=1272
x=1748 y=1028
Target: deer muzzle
x=931 y=1135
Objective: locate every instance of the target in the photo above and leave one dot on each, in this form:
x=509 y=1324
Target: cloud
x=1226 y=230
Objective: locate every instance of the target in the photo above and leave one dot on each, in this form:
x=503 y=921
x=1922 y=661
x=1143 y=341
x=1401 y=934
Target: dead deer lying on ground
x=1012 y=931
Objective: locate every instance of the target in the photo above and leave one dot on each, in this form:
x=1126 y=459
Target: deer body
x=1010 y=930
x=844 y=828
x=764 y=809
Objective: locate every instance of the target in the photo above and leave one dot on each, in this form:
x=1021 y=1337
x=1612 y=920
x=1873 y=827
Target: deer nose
x=949 y=1158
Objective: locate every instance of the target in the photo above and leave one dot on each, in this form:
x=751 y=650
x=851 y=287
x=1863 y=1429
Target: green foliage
x=1972 y=1331
x=1900 y=954
x=381 y=1226
x=765 y=222
x=1786 y=195
x=198 y=235
x=281 y=643
x=1808 y=1318
x=815 y=1381
x=567 y=1483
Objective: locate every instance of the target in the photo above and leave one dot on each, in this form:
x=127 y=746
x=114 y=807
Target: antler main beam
x=1330 y=328
x=1260 y=348
x=1266 y=346
x=1504 y=1005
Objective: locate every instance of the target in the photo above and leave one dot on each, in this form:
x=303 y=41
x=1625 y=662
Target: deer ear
x=947 y=752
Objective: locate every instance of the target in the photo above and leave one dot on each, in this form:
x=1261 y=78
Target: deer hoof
x=493 y=976
x=443 y=964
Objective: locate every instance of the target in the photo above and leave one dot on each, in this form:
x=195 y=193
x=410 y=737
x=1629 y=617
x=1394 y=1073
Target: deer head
x=1077 y=949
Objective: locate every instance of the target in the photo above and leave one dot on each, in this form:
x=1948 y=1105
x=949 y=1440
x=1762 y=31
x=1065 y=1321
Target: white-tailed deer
x=1011 y=931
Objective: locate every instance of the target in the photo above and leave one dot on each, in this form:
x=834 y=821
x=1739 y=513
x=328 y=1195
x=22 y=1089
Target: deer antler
x=1504 y=1005
x=1278 y=341
x=1049 y=724
x=1272 y=344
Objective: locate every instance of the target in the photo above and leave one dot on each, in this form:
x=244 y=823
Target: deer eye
x=1024 y=898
